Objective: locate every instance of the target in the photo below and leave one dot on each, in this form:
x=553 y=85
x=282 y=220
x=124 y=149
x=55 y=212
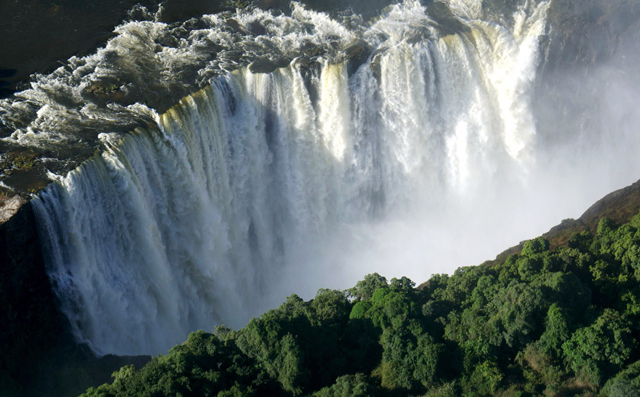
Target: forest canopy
x=554 y=322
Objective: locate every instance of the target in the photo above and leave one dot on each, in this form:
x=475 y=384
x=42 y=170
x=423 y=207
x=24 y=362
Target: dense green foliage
x=561 y=322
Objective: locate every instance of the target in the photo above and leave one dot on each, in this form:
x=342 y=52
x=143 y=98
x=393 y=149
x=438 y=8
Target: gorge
x=308 y=150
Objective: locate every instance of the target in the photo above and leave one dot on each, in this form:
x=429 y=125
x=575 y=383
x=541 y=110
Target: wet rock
x=109 y=91
x=22 y=160
x=9 y=206
x=256 y=29
x=306 y=64
x=311 y=50
x=266 y=65
x=31 y=321
x=447 y=23
x=28 y=182
x=357 y=54
x=309 y=68
x=235 y=26
x=375 y=62
x=419 y=35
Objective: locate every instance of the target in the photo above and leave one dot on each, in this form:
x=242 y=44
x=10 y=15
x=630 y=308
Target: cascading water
x=310 y=176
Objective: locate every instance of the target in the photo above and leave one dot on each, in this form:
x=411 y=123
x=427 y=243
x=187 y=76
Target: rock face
x=619 y=206
x=10 y=207
x=38 y=355
x=32 y=326
x=590 y=44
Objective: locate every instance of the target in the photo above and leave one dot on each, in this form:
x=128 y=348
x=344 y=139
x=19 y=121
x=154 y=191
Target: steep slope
x=619 y=206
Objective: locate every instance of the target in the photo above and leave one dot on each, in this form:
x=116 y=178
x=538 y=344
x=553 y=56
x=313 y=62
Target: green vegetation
x=18 y=161
x=552 y=322
x=24 y=162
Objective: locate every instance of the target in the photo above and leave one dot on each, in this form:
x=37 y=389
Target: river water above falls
x=418 y=158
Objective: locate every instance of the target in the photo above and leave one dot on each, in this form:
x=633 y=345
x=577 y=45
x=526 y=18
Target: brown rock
x=10 y=206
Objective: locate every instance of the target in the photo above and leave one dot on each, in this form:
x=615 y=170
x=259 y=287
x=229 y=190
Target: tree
x=364 y=289
x=600 y=350
x=536 y=246
x=556 y=332
x=358 y=385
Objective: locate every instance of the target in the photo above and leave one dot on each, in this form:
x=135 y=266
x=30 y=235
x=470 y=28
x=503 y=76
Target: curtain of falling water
x=192 y=221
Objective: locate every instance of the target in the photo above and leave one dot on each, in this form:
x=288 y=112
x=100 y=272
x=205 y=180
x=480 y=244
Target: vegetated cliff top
x=619 y=206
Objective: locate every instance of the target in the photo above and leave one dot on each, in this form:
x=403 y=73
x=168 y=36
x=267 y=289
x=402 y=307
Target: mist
x=587 y=141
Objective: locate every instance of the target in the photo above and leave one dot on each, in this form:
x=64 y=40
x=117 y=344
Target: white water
x=257 y=187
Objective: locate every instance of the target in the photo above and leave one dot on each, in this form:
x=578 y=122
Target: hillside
x=619 y=206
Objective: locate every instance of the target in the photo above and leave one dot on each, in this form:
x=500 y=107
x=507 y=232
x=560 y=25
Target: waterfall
x=264 y=184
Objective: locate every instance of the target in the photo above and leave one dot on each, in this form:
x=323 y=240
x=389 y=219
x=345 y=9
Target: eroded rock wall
x=591 y=46
x=31 y=325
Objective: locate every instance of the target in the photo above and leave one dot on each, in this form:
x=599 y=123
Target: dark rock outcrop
x=266 y=65
x=32 y=325
x=38 y=354
x=447 y=22
x=357 y=54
